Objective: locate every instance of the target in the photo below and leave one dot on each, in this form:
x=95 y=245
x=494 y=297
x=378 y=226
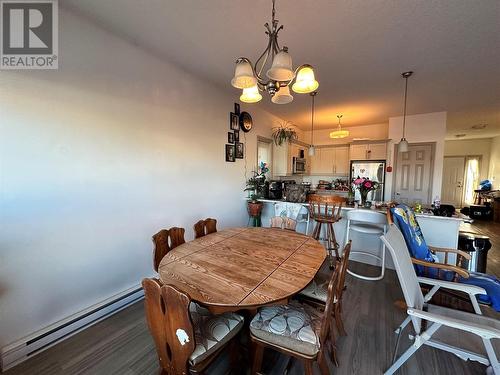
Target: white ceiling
x=358 y=48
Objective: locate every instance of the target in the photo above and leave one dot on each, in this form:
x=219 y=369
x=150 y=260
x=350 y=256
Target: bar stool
x=367 y=222
x=326 y=209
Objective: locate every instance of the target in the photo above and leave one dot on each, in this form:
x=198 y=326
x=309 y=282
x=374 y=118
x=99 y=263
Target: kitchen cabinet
x=330 y=161
x=283 y=158
x=368 y=151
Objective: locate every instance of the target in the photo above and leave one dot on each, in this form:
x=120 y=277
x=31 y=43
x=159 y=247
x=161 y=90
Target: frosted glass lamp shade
x=339 y=134
x=403 y=145
x=282 y=96
x=243 y=76
x=251 y=95
x=311 y=151
x=305 y=82
x=281 y=70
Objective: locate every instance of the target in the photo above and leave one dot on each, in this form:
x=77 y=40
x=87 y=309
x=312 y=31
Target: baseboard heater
x=23 y=349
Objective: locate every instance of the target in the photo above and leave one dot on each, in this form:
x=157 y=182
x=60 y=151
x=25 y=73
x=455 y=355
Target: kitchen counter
x=438 y=231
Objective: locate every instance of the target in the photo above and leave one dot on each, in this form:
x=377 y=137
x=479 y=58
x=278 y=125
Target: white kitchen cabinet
x=330 y=161
x=368 y=151
x=283 y=158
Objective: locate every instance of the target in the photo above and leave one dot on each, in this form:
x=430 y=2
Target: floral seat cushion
x=211 y=331
x=293 y=326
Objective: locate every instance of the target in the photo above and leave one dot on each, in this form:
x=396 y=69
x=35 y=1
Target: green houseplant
x=284 y=133
x=255 y=185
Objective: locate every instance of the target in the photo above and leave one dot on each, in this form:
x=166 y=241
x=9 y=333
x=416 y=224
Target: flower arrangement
x=257 y=182
x=364 y=185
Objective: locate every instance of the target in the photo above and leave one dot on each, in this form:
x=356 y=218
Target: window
x=265 y=152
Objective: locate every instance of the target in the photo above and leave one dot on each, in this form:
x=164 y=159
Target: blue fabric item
x=489 y=283
x=406 y=220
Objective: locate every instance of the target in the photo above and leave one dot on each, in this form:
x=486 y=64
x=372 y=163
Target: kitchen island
x=438 y=231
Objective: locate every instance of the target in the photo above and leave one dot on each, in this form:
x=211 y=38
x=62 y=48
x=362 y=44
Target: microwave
x=299 y=165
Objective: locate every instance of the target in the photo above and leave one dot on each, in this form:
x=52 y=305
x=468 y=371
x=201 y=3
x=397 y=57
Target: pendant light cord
x=312 y=119
x=404 y=111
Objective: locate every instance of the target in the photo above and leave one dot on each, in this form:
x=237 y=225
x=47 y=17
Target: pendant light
x=311 y=147
x=339 y=133
x=403 y=143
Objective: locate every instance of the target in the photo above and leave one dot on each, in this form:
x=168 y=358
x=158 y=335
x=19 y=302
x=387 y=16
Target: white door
x=413 y=175
x=453 y=180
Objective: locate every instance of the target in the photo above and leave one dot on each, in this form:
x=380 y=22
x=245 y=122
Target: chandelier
x=339 y=133
x=278 y=77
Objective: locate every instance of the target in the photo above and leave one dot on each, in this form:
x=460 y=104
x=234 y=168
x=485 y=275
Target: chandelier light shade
x=279 y=75
x=339 y=133
x=251 y=95
x=283 y=96
x=305 y=82
x=403 y=143
x=281 y=69
x=311 y=151
x=243 y=76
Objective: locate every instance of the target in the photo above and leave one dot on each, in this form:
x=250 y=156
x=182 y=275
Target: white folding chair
x=447 y=329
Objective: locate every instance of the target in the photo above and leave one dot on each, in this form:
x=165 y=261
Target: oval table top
x=243 y=268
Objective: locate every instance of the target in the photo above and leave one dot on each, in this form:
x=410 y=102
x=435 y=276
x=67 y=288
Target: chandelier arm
x=255 y=68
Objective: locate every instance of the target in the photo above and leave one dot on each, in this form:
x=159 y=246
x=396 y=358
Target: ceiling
x=358 y=49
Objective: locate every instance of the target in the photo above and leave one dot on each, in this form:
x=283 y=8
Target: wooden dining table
x=243 y=268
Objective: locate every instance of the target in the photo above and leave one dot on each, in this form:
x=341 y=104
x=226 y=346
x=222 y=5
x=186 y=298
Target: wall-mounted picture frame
x=234 y=121
x=230 y=153
x=239 y=150
x=236 y=136
x=230 y=137
x=237 y=108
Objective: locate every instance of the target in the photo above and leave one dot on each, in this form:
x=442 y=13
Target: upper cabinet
x=283 y=158
x=368 y=151
x=330 y=161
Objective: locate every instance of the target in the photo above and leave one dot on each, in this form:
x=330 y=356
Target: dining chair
x=188 y=338
x=276 y=327
x=164 y=241
x=469 y=336
x=316 y=293
x=283 y=223
x=326 y=209
x=204 y=227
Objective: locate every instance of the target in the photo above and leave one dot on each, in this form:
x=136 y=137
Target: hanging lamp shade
x=243 y=76
x=281 y=70
x=403 y=145
x=251 y=95
x=305 y=81
x=311 y=151
x=339 y=133
x=283 y=96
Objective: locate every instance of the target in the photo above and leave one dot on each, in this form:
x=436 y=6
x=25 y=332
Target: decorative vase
x=364 y=195
x=254 y=211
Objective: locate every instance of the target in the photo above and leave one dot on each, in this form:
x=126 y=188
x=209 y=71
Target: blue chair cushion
x=489 y=283
x=405 y=219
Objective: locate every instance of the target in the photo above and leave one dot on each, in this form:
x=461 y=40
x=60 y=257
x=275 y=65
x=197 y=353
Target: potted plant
x=284 y=133
x=255 y=185
x=364 y=185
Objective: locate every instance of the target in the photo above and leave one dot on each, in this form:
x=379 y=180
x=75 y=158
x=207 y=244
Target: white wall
x=95 y=158
x=322 y=136
x=428 y=127
x=471 y=147
x=494 y=167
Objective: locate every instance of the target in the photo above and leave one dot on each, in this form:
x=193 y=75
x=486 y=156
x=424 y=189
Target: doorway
x=452 y=189
x=413 y=178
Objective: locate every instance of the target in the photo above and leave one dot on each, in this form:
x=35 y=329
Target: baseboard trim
x=17 y=352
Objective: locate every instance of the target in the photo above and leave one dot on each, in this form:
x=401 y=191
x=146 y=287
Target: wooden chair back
x=283 y=223
x=167 y=315
x=326 y=208
x=204 y=227
x=327 y=314
x=342 y=269
x=164 y=241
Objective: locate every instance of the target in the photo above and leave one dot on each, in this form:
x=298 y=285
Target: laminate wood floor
x=121 y=344
x=492 y=230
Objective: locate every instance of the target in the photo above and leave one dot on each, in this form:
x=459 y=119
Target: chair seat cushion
x=294 y=326
x=316 y=290
x=211 y=331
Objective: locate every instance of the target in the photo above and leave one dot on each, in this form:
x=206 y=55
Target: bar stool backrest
x=326 y=208
x=367 y=216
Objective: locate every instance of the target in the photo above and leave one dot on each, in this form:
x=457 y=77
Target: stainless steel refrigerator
x=375 y=171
